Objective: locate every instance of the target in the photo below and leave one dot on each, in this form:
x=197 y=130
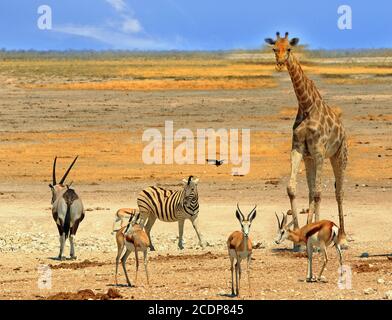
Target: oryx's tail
x=67 y=221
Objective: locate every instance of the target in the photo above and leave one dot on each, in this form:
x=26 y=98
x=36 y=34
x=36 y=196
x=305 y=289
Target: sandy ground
x=105 y=128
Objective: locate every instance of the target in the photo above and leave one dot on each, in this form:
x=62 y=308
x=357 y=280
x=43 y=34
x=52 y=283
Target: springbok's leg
x=239 y=274
x=323 y=250
x=120 y=249
x=309 y=275
x=310 y=178
x=136 y=263
x=237 y=280
x=248 y=271
x=232 y=273
x=145 y=260
x=195 y=224
x=150 y=223
x=339 y=163
x=123 y=262
x=181 y=234
x=296 y=158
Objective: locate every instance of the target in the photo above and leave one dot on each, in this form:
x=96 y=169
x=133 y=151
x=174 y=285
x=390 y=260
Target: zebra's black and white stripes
x=170 y=206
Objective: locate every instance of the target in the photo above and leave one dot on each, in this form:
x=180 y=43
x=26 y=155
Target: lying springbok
x=67 y=210
x=240 y=247
x=320 y=234
x=123 y=214
x=133 y=238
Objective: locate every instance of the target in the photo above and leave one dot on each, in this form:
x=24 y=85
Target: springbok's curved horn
x=252 y=211
x=277 y=218
x=69 y=169
x=284 y=220
x=54 y=171
x=286 y=35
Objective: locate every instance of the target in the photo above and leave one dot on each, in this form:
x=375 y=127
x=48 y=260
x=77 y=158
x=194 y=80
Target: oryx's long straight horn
x=69 y=169
x=54 y=171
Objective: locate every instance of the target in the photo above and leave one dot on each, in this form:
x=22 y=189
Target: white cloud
x=118 y=5
x=131 y=25
x=116 y=40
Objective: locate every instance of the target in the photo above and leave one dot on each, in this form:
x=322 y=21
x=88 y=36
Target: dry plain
x=99 y=108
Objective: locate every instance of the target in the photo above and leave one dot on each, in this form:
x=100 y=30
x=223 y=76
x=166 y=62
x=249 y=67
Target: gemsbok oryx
x=239 y=245
x=67 y=210
x=317 y=234
x=133 y=238
x=122 y=215
x=169 y=206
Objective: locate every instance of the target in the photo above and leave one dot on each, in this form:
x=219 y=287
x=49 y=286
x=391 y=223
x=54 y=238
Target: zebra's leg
x=181 y=234
x=150 y=223
x=195 y=224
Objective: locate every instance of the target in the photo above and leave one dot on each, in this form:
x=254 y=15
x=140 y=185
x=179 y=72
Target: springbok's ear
x=252 y=215
x=269 y=41
x=294 y=42
x=238 y=215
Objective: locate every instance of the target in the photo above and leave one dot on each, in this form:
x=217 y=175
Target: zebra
x=170 y=206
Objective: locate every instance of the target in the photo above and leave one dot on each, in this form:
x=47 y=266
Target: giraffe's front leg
x=296 y=158
x=319 y=161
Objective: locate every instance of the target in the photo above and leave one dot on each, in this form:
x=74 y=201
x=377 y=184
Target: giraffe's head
x=282 y=48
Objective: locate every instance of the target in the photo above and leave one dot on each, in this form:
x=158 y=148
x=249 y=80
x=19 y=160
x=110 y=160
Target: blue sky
x=191 y=24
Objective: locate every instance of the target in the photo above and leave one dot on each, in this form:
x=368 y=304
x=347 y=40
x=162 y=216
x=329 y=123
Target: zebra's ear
x=185 y=181
x=196 y=180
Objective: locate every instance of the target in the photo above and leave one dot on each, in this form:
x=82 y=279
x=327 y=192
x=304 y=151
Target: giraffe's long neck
x=304 y=88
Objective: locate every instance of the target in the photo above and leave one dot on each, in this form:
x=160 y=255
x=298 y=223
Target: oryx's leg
x=323 y=250
x=74 y=229
x=123 y=262
x=232 y=273
x=309 y=275
x=181 y=234
x=145 y=260
x=195 y=224
x=150 y=223
x=137 y=263
x=61 y=239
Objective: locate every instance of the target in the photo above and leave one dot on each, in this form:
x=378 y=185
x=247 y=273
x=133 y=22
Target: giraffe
x=318 y=134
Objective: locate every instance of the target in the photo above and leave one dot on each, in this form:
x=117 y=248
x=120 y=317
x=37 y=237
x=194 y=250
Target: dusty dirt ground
x=105 y=129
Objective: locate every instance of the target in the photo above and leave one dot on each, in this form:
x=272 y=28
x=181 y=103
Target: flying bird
x=215 y=162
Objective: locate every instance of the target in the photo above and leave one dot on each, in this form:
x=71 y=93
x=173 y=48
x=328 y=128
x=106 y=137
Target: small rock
x=369 y=291
x=388 y=295
x=380 y=281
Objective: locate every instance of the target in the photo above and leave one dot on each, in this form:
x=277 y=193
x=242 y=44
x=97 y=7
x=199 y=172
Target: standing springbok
x=320 y=234
x=239 y=245
x=67 y=210
x=133 y=238
x=123 y=214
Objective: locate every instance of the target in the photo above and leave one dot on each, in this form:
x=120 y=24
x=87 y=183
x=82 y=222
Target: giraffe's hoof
x=73 y=258
x=298 y=248
x=311 y=279
x=61 y=258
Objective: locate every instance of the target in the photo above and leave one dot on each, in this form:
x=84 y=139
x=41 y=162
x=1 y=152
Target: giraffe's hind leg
x=310 y=178
x=339 y=163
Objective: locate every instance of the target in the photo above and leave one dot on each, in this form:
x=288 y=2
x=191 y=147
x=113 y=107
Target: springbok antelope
x=321 y=234
x=239 y=246
x=133 y=238
x=67 y=210
x=121 y=215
